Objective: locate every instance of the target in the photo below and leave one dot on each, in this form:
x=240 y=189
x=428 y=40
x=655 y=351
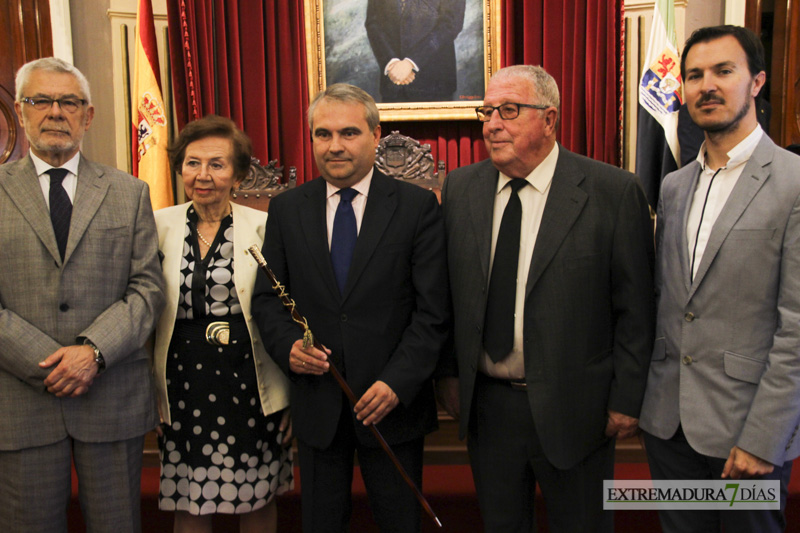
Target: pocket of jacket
x=743 y=368
x=583 y=261
x=110 y=233
x=659 y=349
x=751 y=234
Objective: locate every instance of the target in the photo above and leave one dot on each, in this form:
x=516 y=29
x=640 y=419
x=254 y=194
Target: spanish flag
x=148 y=114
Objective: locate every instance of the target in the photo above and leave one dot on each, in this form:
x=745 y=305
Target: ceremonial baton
x=308 y=340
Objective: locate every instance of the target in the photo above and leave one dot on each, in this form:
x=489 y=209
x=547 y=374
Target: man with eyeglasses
x=550 y=260
x=80 y=288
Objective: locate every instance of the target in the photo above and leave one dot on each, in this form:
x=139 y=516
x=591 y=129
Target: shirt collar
x=738 y=154
x=362 y=186
x=42 y=166
x=540 y=177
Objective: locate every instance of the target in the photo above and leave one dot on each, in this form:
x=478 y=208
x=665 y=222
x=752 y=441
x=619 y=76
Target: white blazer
x=249 y=224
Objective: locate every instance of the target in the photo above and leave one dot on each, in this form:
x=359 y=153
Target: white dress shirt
x=70 y=182
x=533 y=200
x=714 y=186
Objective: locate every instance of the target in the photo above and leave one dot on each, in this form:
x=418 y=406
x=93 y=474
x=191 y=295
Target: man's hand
x=286 y=427
x=742 y=464
x=308 y=360
x=447 y=396
x=377 y=402
x=408 y=80
x=74 y=373
x=401 y=72
x=621 y=426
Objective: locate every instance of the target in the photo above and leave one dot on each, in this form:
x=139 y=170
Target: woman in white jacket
x=223 y=402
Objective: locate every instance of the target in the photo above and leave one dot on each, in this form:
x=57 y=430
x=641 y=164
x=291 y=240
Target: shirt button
x=688 y=317
x=63 y=307
x=343 y=317
x=687 y=360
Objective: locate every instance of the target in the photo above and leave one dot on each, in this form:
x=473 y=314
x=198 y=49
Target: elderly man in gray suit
x=723 y=391
x=80 y=289
x=554 y=311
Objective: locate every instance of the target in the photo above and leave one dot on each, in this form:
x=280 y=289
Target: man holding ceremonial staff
x=363 y=257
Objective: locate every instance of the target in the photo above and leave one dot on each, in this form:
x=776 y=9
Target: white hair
x=49 y=64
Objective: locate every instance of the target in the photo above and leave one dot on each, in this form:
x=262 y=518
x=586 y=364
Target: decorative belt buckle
x=218 y=333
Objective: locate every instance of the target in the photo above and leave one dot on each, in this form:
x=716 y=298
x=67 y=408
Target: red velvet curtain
x=578 y=43
x=246 y=59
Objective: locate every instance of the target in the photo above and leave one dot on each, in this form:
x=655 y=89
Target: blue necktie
x=60 y=208
x=343 y=239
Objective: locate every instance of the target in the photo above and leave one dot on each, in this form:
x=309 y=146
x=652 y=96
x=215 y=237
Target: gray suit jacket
x=589 y=311
x=108 y=289
x=726 y=362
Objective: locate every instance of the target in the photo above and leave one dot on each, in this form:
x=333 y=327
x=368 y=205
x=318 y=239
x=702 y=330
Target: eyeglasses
x=508 y=111
x=41 y=103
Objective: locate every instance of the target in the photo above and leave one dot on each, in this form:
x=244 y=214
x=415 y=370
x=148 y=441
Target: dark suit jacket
x=390 y=323
x=589 y=308
x=425 y=33
x=108 y=288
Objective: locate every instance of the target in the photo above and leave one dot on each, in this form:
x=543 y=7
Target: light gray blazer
x=108 y=289
x=248 y=229
x=726 y=361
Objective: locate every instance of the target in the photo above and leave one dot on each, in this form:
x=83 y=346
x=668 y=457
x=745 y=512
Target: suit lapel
x=175 y=236
x=245 y=235
x=482 y=195
x=22 y=186
x=381 y=205
x=89 y=194
x=312 y=215
x=564 y=203
x=753 y=177
x=685 y=198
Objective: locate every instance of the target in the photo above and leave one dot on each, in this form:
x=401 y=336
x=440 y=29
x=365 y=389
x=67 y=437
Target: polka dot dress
x=221 y=454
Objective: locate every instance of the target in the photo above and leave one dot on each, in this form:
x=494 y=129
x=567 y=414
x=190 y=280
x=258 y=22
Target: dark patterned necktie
x=498 y=333
x=343 y=238
x=60 y=208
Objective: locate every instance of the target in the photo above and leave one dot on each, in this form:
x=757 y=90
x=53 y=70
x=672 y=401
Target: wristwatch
x=98 y=357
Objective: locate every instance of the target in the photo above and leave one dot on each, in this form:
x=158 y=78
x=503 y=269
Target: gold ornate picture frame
x=339 y=49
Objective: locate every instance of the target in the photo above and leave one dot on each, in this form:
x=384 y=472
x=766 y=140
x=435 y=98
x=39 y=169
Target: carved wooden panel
x=404 y=158
x=25 y=35
x=262 y=184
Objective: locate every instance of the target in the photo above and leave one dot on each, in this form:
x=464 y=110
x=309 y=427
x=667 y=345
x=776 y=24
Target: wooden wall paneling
x=778 y=24
x=777 y=70
x=25 y=35
x=752 y=15
x=791 y=115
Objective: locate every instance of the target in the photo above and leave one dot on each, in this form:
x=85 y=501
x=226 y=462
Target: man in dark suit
x=80 y=290
x=414 y=44
x=363 y=257
x=550 y=258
